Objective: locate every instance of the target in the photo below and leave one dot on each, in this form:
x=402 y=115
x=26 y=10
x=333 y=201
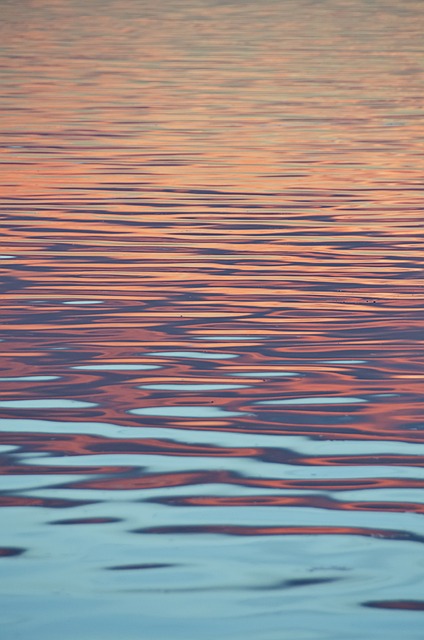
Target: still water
x=212 y=325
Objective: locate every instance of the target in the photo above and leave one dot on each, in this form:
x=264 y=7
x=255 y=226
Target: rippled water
x=212 y=327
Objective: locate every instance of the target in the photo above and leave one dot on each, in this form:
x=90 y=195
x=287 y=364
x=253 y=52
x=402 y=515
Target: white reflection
x=187 y=412
x=193 y=387
x=55 y=403
x=266 y=374
x=327 y=400
x=194 y=354
x=29 y=379
x=84 y=302
x=343 y=361
x=117 y=367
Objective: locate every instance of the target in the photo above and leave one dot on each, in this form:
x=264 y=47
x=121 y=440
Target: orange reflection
x=223 y=195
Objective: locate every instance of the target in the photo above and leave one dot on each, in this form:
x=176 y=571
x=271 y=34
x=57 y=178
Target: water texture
x=212 y=320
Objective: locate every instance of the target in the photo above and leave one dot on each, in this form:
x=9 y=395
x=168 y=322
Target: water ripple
x=211 y=332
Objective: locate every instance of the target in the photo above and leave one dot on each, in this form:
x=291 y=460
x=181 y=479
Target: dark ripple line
x=276 y=586
x=404 y=605
x=137 y=567
x=8 y=552
x=138 y=480
x=46 y=503
x=312 y=501
x=236 y=530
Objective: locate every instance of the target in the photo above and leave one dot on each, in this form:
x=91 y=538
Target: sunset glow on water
x=212 y=319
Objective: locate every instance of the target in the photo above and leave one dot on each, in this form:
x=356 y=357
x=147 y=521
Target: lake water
x=212 y=320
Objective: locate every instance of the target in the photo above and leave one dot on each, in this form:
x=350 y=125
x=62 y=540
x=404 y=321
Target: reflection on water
x=212 y=319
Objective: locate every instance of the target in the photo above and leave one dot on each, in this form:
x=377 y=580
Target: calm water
x=212 y=326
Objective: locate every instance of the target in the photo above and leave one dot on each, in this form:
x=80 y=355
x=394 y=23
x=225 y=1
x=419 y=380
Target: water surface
x=212 y=327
